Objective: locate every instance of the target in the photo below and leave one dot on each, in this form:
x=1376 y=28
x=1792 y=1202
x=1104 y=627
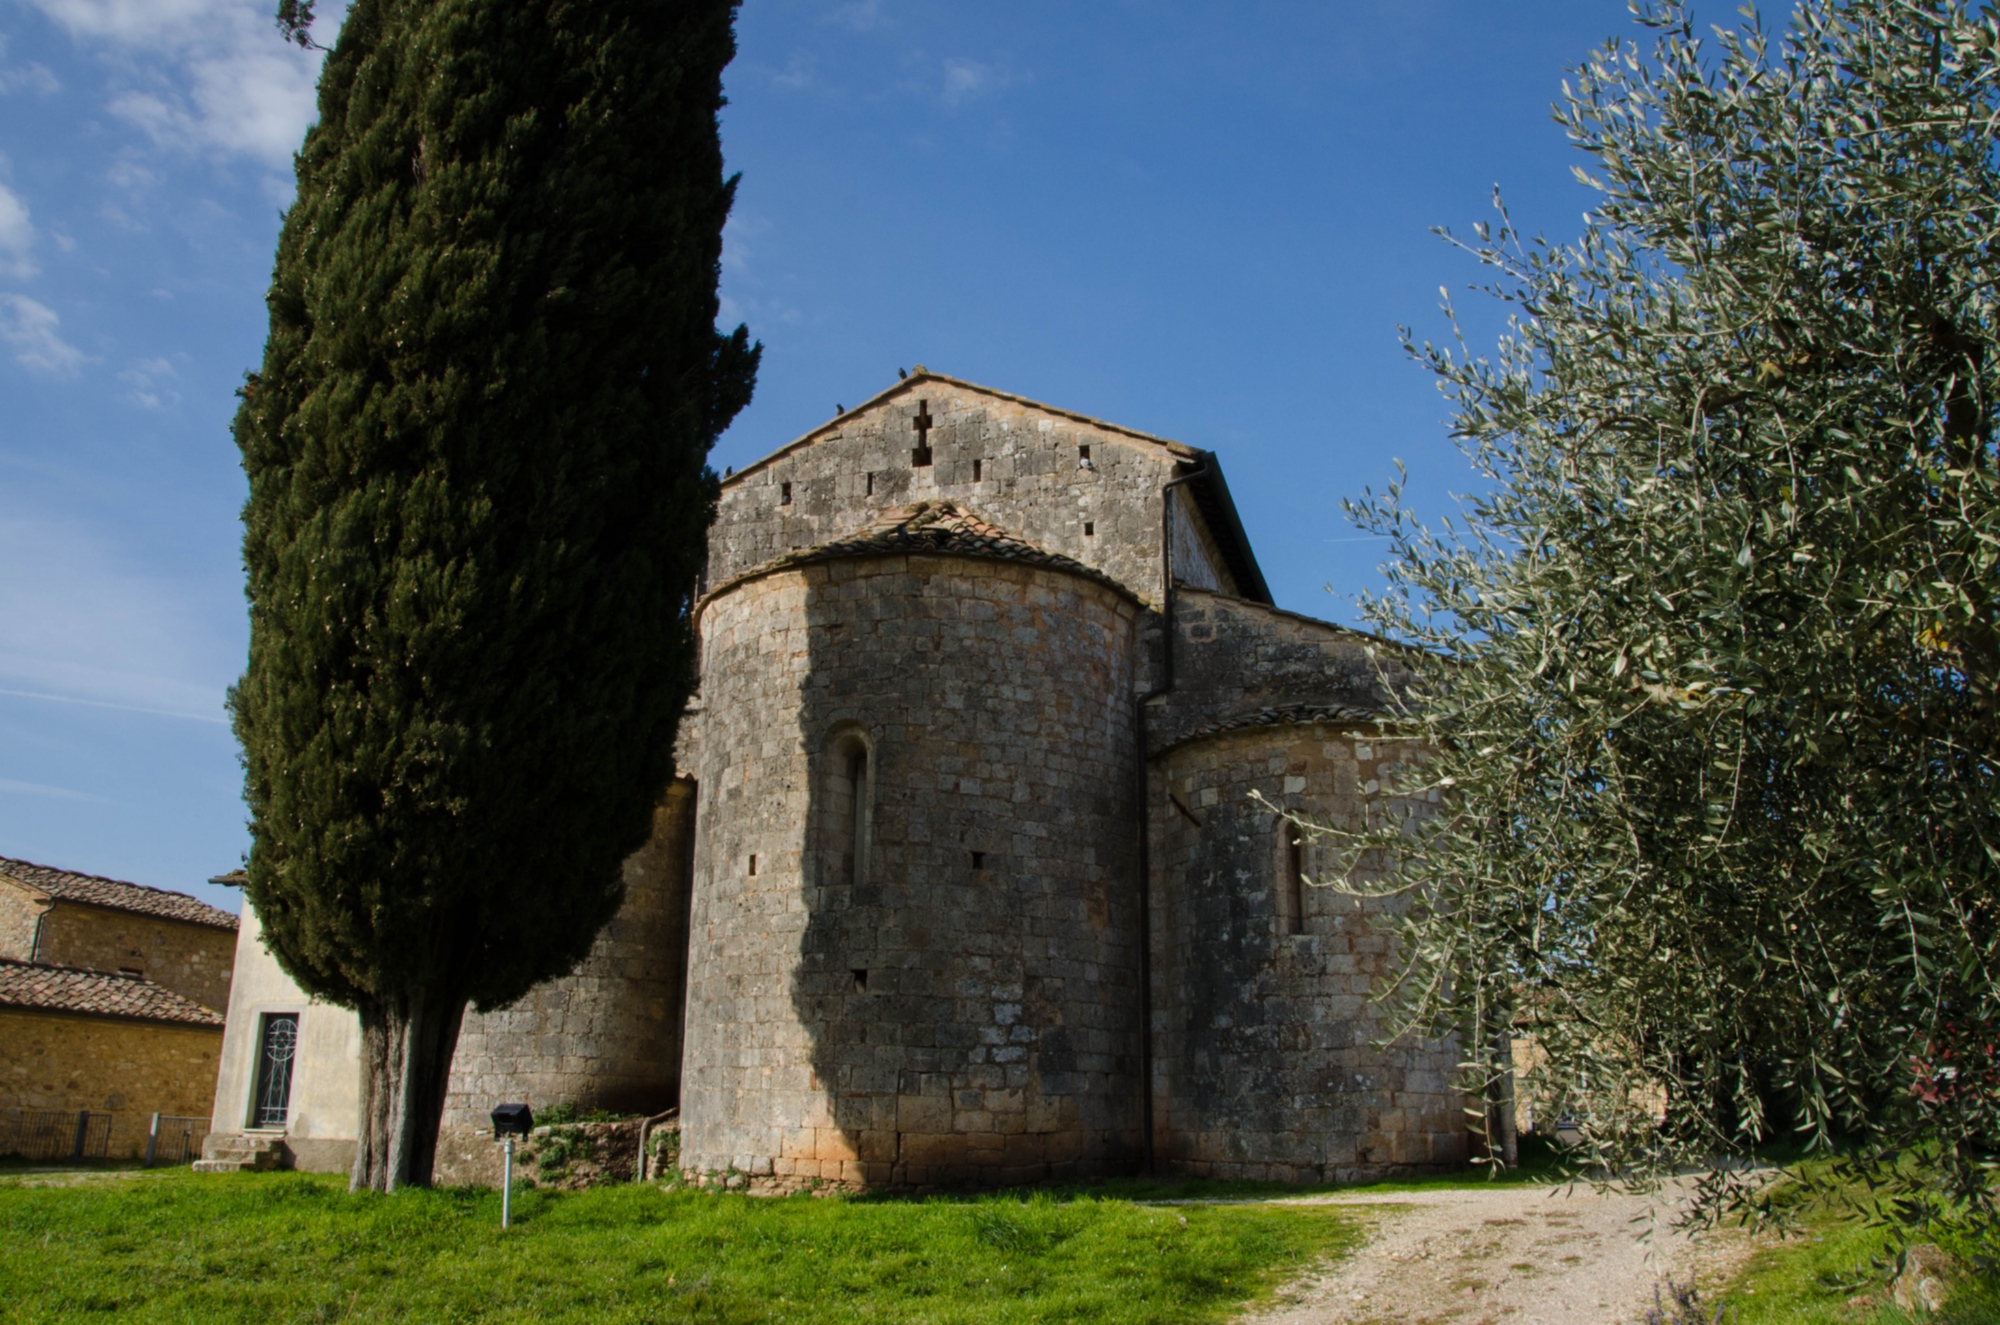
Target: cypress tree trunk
x=406 y=1051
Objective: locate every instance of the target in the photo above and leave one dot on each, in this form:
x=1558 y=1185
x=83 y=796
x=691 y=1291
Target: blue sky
x=1202 y=220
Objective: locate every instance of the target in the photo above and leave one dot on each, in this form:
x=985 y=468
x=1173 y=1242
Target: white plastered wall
x=325 y=1101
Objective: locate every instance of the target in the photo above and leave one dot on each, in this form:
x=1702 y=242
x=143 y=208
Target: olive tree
x=1712 y=670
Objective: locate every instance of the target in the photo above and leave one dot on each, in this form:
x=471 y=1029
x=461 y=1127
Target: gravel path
x=1504 y=1256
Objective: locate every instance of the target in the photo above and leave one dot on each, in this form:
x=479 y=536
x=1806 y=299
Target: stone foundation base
x=570 y=1156
x=1304 y=1174
x=321 y=1155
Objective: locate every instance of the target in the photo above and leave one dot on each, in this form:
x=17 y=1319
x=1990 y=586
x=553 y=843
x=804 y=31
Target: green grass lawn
x=1810 y=1279
x=272 y=1249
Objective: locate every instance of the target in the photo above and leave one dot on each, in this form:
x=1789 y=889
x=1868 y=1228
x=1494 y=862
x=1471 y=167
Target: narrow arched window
x=847 y=810
x=1291 y=878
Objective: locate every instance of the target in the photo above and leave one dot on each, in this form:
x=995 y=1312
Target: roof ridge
x=78 y=970
x=115 y=894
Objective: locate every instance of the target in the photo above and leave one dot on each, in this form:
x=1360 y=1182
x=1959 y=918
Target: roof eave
x=1219 y=508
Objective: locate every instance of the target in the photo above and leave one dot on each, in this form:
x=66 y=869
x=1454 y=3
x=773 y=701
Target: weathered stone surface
x=1032 y=480
x=570 y=1156
x=1265 y=1065
x=961 y=1006
x=62 y=918
x=1924 y=1283
x=608 y=1036
x=1233 y=658
x=910 y=830
x=128 y=1069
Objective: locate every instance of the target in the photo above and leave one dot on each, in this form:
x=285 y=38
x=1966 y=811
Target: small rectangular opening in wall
x=860 y=979
x=920 y=456
x=975 y=471
x=1089 y=529
x=753 y=863
x=1293 y=900
x=979 y=860
x=871 y=484
x=1082 y=453
x=784 y=494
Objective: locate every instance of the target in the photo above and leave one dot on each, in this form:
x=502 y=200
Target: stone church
x=962 y=879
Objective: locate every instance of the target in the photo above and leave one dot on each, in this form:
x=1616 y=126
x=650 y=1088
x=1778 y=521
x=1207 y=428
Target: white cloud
x=797 y=73
x=148 y=379
x=128 y=173
x=203 y=75
x=966 y=79
x=861 y=16
x=10 y=786
x=31 y=78
x=148 y=22
x=17 y=236
x=30 y=328
x=79 y=625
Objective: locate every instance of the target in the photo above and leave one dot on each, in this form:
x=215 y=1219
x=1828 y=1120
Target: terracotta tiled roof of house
x=1279 y=715
x=114 y=894
x=46 y=988
x=929 y=528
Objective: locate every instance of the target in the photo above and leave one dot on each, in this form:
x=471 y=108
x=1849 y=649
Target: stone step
x=234 y=1152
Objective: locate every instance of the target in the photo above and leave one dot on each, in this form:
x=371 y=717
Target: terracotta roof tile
x=929 y=528
x=96 y=993
x=114 y=894
x=1278 y=715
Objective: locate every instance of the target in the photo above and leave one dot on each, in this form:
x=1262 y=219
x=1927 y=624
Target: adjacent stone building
x=111 y=998
x=62 y=918
x=968 y=875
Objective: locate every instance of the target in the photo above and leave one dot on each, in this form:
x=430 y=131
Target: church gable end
x=1065 y=483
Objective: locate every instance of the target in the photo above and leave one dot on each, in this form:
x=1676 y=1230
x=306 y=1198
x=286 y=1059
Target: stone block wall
x=18 y=913
x=128 y=1069
x=192 y=960
x=1265 y=1062
x=1030 y=480
x=961 y=1005
x=607 y=1036
x=1232 y=656
x=570 y=1156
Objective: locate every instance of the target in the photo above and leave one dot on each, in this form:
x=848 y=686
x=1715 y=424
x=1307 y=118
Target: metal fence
x=174 y=1140
x=55 y=1134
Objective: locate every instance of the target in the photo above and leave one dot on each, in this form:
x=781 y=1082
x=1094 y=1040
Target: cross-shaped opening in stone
x=920 y=455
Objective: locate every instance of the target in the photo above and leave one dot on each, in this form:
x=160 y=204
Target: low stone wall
x=568 y=1156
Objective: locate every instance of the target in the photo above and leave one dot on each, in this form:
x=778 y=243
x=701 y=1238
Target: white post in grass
x=507 y=1183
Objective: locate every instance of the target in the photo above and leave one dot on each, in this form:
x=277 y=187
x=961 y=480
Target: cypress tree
x=478 y=503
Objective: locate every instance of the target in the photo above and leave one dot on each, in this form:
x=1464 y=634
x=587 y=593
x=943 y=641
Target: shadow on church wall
x=967 y=977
